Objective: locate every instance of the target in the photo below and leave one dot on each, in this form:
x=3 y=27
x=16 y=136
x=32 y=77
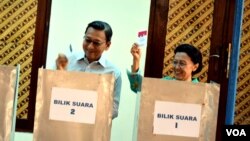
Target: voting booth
x=177 y=111
x=73 y=106
x=9 y=76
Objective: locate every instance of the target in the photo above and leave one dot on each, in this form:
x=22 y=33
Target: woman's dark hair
x=193 y=53
x=100 y=25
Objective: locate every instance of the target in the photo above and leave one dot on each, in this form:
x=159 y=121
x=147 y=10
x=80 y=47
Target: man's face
x=94 y=43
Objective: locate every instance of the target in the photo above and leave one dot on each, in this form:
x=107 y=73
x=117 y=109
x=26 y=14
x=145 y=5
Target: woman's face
x=183 y=66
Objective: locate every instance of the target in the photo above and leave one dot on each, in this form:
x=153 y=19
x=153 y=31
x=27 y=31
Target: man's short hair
x=100 y=25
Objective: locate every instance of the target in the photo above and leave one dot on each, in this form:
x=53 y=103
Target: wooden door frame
x=38 y=61
x=220 y=41
x=158 y=19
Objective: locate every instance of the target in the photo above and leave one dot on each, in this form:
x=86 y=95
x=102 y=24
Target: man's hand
x=61 y=62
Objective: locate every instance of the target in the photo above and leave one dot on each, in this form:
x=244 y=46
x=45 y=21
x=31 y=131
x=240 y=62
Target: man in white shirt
x=96 y=40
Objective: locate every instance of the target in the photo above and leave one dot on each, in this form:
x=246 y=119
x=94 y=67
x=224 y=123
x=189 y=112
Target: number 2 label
x=72 y=111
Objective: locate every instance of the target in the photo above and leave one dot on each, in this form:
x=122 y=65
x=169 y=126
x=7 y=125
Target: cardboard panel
x=47 y=129
x=8 y=96
x=178 y=93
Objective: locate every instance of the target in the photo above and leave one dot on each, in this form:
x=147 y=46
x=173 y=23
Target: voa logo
x=236 y=132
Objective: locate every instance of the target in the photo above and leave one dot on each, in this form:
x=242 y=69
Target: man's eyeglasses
x=182 y=64
x=95 y=43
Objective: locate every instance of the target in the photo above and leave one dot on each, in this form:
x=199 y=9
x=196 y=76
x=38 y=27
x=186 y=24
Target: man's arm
x=117 y=93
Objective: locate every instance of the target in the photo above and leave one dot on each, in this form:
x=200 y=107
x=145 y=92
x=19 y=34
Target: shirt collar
x=102 y=61
x=82 y=57
x=194 y=80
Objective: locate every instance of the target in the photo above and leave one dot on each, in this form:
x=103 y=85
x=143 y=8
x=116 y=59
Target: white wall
x=69 y=19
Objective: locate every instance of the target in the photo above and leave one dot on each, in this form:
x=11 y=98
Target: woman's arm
x=136 y=53
x=134 y=76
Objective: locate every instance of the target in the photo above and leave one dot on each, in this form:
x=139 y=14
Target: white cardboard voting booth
x=177 y=111
x=9 y=77
x=73 y=106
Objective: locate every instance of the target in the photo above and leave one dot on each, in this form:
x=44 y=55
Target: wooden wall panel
x=17 y=34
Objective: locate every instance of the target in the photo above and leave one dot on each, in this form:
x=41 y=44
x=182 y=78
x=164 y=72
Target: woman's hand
x=136 y=53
